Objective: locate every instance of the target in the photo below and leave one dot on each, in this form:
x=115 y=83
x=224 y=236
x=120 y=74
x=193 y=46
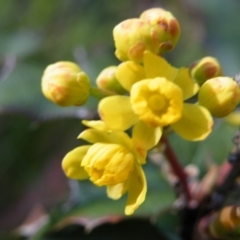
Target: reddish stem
x=176 y=168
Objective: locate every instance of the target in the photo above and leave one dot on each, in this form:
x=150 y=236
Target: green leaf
x=214 y=149
x=30 y=166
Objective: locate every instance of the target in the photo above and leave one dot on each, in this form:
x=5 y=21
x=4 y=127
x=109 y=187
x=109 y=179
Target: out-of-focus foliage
x=35 y=134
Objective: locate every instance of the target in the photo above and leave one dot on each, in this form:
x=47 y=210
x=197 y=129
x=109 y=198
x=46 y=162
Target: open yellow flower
x=113 y=160
x=158 y=102
x=157 y=94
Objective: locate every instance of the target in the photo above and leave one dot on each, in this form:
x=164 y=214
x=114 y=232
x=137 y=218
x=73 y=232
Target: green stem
x=100 y=93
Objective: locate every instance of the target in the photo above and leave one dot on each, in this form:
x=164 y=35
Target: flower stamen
x=157 y=102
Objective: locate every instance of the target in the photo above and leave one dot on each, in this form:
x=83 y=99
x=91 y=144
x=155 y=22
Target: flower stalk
x=100 y=93
x=176 y=168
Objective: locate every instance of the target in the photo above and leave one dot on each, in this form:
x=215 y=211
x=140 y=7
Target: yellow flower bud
x=225 y=223
x=108 y=164
x=233 y=118
x=107 y=80
x=65 y=84
x=205 y=68
x=165 y=29
x=132 y=37
x=219 y=95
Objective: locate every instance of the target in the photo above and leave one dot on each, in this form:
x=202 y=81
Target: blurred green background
x=35 y=134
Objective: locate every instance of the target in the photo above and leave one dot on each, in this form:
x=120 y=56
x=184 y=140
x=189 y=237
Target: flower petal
x=145 y=137
x=129 y=73
x=71 y=163
x=121 y=138
x=94 y=136
x=136 y=190
x=156 y=66
x=101 y=133
x=195 y=124
x=116 y=191
x=186 y=83
x=117 y=113
x=98 y=124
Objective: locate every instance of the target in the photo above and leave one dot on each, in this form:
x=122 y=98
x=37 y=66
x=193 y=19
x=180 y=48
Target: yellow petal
x=105 y=136
x=195 y=124
x=116 y=191
x=145 y=137
x=99 y=125
x=156 y=66
x=186 y=83
x=136 y=190
x=117 y=113
x=71 y=163
x=94 y=136
x=129 y=73
x=121 y=138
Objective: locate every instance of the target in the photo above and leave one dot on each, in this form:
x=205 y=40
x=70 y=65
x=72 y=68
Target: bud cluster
x=156 y=30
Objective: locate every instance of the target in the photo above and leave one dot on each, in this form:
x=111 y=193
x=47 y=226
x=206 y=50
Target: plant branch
x=176 y=168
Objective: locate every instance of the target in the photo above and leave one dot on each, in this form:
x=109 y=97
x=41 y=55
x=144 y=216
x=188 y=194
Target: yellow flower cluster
x=147 y=94
x=157 y=95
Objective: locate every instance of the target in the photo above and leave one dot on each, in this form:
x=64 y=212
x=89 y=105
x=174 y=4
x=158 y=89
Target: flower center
x=157 y=102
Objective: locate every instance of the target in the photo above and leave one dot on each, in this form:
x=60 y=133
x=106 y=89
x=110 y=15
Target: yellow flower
x=157 y=101
x=108 y=164
x=112 y=160
x=157 y=94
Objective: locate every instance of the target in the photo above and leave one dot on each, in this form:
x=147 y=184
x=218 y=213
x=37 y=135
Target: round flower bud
x=132 y=37
x=219 y=95
x=204 y=69
x=65 y=84
x=233 y=118
x=165 y=29
x=108 y=164
x=107 y=80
